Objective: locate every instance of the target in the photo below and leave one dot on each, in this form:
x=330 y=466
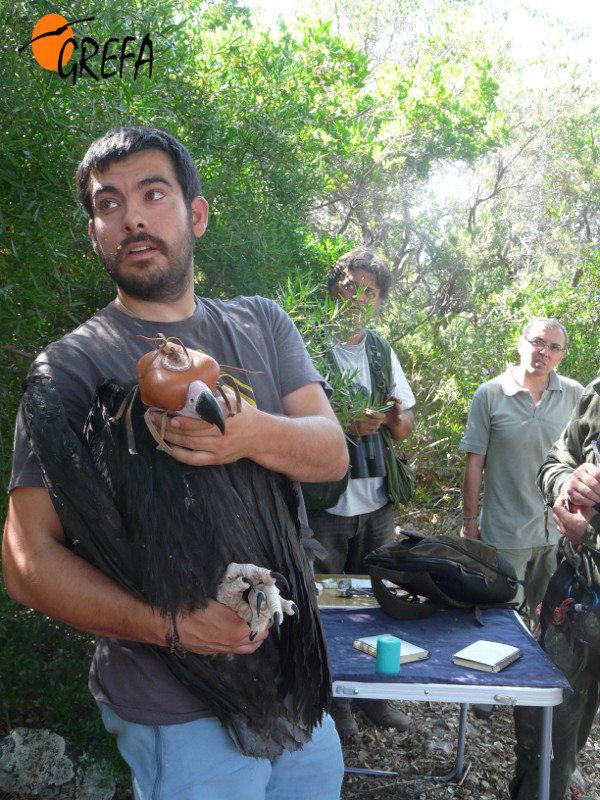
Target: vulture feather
x=167 y=532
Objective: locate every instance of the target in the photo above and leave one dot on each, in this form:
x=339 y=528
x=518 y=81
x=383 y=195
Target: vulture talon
x=239 y=589
x=281 y=577
x=276 y=623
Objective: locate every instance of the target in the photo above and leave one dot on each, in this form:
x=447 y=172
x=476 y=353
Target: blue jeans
x=198 y=761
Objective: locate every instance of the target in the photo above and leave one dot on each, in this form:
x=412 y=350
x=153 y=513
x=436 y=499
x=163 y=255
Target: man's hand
x=217 y=629
x=393 y=416
x=371 y=420
x=369 y=423
x=197 y=442
x=305 y=443
x=583 y=487
x=470 y=529
x=572 y=524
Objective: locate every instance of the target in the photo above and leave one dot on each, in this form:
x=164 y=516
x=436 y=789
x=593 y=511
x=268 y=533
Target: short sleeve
x=295 y=366
x=477 y=433
x=401 y=387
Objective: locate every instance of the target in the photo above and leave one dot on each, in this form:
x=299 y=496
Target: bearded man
x=141 y=189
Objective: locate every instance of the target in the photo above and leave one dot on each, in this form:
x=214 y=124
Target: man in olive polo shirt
x=514 y=420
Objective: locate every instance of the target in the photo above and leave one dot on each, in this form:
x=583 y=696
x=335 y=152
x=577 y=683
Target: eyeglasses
x=539 y=344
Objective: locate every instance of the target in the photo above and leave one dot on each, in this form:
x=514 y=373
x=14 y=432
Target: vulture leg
x=252 y=593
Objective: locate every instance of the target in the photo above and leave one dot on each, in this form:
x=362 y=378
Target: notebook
x=408 y=652
x=486 y=656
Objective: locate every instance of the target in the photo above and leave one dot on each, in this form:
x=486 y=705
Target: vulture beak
x=202 y=403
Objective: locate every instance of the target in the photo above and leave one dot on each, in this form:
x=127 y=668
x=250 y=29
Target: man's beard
x=153 y=284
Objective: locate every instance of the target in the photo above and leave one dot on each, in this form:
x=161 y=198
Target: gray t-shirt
x=248 y=332
x=515 y=435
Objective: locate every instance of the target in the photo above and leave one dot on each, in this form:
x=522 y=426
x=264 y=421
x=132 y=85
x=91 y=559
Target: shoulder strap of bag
x=400 y=476
x=379 y=356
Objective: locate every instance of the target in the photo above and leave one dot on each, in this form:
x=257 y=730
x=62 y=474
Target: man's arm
x=574 y=492
x=567 y=475
x=580 y=525
x=42 y=573
x=399 y=422
x=578 y=519
x=471 y=491
x=307 y=444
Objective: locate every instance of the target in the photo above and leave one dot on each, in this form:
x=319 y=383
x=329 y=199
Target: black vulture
x=167 y=532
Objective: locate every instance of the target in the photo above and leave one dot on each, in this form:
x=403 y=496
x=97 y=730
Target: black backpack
x=434 y=572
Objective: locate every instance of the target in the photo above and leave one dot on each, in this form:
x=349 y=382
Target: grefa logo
x=53 y=45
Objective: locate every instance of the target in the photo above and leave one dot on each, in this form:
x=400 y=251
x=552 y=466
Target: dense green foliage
x=402 y=124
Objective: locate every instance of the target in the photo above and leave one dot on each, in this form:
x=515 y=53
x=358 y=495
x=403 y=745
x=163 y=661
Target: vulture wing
x=167 y=532
x=82 y=500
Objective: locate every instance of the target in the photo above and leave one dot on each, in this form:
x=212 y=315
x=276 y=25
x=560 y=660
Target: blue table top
x=443 y=634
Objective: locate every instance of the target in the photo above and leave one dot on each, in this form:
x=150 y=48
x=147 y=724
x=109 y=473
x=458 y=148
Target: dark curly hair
x=366 y=259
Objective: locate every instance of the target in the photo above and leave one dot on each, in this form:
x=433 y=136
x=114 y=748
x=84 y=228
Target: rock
x=446 y=747
x=41 y=763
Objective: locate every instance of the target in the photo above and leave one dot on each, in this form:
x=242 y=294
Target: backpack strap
x=398 y=603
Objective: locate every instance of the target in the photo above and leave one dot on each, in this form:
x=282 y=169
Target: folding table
x=532 y=680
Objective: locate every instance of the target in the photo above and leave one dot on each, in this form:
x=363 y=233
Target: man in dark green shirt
x=569 y=480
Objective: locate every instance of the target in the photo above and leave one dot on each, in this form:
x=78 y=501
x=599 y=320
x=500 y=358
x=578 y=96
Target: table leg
x=458 y=768
x=545 y=751
x=361 y=771
x=460 y=748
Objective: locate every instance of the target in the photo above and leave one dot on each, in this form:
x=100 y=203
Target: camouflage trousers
x=571 y=720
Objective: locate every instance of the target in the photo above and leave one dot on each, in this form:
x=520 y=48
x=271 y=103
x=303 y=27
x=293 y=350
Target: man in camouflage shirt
x=569 y=480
